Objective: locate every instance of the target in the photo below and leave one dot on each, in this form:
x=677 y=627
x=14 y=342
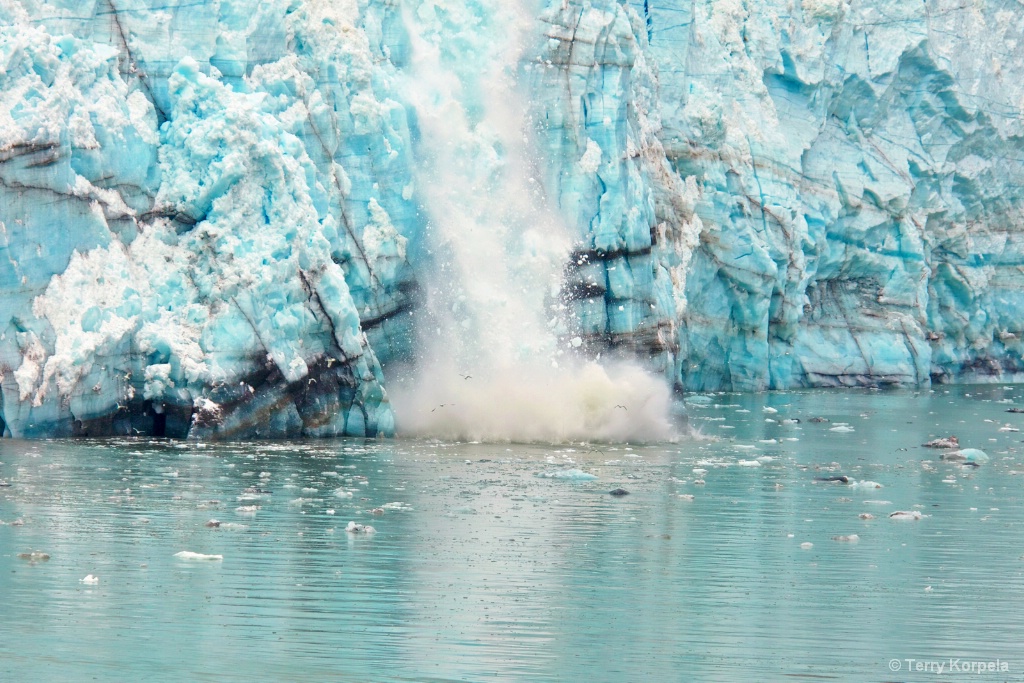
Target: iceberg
x=246 y=220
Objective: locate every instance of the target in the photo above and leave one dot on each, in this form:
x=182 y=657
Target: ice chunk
x=573 y=474
x=189 y=555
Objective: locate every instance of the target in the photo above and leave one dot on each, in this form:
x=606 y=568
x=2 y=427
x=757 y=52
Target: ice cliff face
x=860 y=173
x=216 y=220
x=198 y=209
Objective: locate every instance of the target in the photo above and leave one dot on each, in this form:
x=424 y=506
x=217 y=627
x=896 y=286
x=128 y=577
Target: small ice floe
x=247 y=509
x=299 y=502
x=842 y=428
x=927 y=589
x=1008 y=428
x=878 y=502
x=213 y=523
x=852 y=538
x=34 y=556
x=744 y=446
x=769 y=410
x=309 y=489
x=396 y=505
x=790 y=421
x=572 y=474
x=253 y=493
x=818 y=420
x=972 y=456
x=865 y=485
x=90 y=580
x=837 y=479
x=686 y=496
x=866 y=515
x=354 y=528
x=376 y=512
x=906 y=514
x=189 y=555
x=806 y=545
x=698 y=482
x=342 y=493
x=748 y=463
x=329 y=512
x=943 y=442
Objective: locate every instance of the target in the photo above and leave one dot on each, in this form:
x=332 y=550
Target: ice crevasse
x=212 y=223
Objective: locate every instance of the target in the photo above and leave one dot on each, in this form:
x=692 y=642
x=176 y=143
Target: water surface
x=482 y=570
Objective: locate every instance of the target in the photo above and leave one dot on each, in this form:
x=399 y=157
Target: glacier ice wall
x=860 y=173
x=199 y=209
x=215 y=216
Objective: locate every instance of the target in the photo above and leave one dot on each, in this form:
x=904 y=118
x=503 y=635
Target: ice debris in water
x=354 y=528
x=189 y=555
x=90 y=580
x=943 y=442
x=966 y=455
x=34 y=556
x=574 y=474
x=906 y=514
x=806 y=545
x=852 y=538
x=342 y=493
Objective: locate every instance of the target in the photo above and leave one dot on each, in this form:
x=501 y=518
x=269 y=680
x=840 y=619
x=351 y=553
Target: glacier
x=249 y=219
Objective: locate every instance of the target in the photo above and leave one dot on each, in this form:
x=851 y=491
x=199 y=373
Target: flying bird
x=620 y=406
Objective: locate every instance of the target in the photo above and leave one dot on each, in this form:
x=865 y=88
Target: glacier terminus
x=240 y=219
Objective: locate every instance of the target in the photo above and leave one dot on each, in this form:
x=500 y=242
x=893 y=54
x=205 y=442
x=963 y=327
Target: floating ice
x=34 y=556
x=574 y=474
x=967 y=455
x=905 y=514
x=189 y=555
x=90 y=580
x=357 y=529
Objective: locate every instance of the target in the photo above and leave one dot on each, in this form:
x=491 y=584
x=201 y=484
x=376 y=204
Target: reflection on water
x=482 y=570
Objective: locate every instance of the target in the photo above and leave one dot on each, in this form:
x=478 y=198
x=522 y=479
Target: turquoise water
x=487 y=571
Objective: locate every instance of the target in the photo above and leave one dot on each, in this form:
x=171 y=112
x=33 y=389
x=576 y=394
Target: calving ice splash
x=498 y=360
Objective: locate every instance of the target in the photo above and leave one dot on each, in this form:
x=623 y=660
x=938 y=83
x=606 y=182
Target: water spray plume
x=492 y=365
